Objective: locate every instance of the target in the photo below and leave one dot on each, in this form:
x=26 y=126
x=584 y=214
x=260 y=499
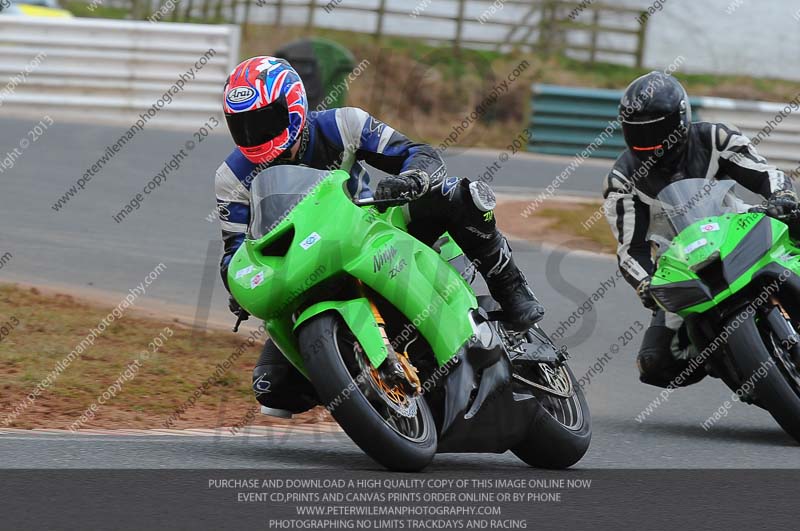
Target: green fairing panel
x=273 y=275
x=698 y=244
x=358 y=316
x=430 y=292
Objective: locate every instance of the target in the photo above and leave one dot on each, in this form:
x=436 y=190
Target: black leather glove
x=645 y=295
x=237 y=310
x=410 y=184
x=782 y=203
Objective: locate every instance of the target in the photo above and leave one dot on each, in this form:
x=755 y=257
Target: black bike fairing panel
x=755 y=244
x=679 y=295
x=493 y=421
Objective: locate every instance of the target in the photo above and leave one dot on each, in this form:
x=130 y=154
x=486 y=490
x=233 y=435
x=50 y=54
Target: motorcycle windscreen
x=687 y=201
x=276 y=191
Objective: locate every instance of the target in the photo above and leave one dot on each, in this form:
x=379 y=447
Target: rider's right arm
x=629 y=219
x=233 y=205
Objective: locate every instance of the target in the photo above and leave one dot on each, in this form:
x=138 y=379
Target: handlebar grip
x=794 y=215
x=381 y=202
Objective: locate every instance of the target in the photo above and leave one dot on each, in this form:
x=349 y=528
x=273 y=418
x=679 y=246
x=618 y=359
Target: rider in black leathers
x=663 y=146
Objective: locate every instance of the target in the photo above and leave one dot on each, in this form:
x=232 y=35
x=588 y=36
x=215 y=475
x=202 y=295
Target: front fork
x=397 y=369
x=781 y=324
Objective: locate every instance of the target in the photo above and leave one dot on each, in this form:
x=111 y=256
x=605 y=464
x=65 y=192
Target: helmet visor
x=254 y=128
x=650 y=135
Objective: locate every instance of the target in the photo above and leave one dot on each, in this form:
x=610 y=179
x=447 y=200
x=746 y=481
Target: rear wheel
x=768 y=368
x=561 y=430
x=395 y=429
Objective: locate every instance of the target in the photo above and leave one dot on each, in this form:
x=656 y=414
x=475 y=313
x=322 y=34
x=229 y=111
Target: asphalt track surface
x=81 y=247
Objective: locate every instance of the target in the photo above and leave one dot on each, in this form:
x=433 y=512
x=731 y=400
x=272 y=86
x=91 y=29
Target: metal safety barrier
x=114 y=70
x=566 y=120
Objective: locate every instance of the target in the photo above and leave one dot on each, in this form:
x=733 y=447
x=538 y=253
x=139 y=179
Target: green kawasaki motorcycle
x=391 y=335
x=732 y=273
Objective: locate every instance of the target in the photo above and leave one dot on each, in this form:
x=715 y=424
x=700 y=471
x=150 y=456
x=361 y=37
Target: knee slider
x=482 y=196
x=277 y=386
x=263 y=378
x=474 y=197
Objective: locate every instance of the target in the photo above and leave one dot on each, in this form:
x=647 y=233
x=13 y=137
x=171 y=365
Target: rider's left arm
x=739 y=160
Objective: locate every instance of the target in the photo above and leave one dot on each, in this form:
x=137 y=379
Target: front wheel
x=393 y=428
x=768 y=369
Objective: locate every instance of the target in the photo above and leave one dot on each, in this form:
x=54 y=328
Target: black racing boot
x=657 y=361
x=510 y=289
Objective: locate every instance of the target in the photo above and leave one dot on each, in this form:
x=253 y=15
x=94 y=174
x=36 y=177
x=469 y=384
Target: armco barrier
x=113 y=70
x=565 y=120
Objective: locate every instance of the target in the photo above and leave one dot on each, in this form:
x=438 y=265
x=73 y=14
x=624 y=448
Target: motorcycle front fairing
x=322 y=237
x=710 y=247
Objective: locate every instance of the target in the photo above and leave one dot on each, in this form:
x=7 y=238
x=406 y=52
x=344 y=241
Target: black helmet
x=656 y=116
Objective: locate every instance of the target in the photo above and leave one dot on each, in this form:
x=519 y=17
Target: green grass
x=570 y=71
x=81 y=9
x=552 y=68
x=457 y=65
x=50 y=326
x=455 y=82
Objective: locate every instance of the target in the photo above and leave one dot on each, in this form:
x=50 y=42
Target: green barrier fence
x=565 y=120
